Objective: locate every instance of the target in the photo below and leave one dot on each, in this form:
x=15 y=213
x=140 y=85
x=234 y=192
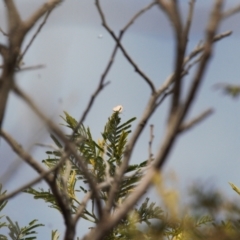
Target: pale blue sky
x=75 y=58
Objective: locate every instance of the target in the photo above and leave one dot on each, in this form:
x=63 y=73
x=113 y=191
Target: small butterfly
x=118 y=108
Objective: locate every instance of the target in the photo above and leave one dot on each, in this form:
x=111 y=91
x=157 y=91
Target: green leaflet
x=101 y=157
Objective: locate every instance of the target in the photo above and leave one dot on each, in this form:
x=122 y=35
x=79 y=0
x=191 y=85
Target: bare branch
x=108 y=67
x=231 y=12
x=211 y=31
x=171 y=9
x=201 y=47
x=165 y=85
x=34 y=36
x=137 y=15
x=163 y=96
x=68 y=145
x=137 y=69
x=143 y=122
x=17 y=31
x=6 y=83
x=181 y=44
x=14 y=19
x=30 y=183
x=153 y=103
x=150 y=106
x=4 y=33
x=82 y=207
x=28 y=68
x=195 y=121
x=100 y=87
x=189 y=20
x=3 y=51
x=46 y=7
x=169 y=139
x=24 y=155
x=59 y=196
x=190 y=65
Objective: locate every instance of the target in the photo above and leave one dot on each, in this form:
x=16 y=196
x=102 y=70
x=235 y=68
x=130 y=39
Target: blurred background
x=75 y=49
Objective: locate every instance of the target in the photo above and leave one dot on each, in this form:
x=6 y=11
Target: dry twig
x=125 y=53
x=186 y=126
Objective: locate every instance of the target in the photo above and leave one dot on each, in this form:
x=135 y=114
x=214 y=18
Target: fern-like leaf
x=24 y=233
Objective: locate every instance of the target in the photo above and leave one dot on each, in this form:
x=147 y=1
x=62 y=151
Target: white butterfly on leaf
x=118 y=108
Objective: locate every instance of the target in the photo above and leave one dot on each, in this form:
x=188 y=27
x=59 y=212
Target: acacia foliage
x=208 y=216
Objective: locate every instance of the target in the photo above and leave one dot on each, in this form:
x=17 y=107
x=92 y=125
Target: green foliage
x=55 y=235
x=235 y=188
x=148 y=212
x=230 y=89
x=148 y=221
x=2 y=205
x=101 y=157
x=15 y=232
x=24 y=233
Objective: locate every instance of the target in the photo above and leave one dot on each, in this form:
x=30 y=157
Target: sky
x=75 y=49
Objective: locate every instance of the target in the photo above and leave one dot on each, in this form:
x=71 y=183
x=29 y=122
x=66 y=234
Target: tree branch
x=137 y=69
x=34 y=36
x=68 y=145
x=14 y=20
x=46 y=7
x=231 y=12
x=201 y=47
x=24 y=155
x=187 y=126
x=169 y=139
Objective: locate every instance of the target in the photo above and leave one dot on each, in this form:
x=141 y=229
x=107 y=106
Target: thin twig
x=112 y=194
x=162 y=97
x=152 y=105
x=28 y=68
x=150 y=154
x=4 y=33
x=196 y=120
x=137 y=69
x=17 y=29
x=137 y=15
x=30 y=183
x=200 y=48
x=110 y=62
x=142 y=123
x=171 y=9
x=189 y=20
x=44 y=174
x=100 y=87
x=108 y=67
x=190 y=65
x=82 y=207
x=34 y=36
x=24 y=155
x=170 y=137
x=181 y=33
x=68 y=145
x=231 y=12
x=59 y=196
x=212 y=27
x=46 y=7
